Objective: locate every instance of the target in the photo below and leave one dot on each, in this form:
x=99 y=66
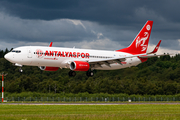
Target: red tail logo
x=140 y=43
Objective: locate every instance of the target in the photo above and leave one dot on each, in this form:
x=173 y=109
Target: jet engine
x=45 y=68
x=79 y=66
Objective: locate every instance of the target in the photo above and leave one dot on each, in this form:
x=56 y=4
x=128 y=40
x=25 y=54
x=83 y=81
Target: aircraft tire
x=72 y=73
x=90 y=73
x=20 y=70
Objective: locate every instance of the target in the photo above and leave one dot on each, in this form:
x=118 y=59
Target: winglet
x=156 y=48
x=50 y=45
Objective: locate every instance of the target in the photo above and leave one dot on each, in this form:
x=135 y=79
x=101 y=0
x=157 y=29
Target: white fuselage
x=61 y=57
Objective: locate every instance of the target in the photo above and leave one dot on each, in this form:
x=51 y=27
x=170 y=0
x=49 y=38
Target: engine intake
x=79 y=66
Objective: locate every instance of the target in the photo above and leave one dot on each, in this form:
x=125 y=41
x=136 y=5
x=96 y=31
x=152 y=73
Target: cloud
x=77 y=22
x=143 y=13
x=16 y=32
x=102 y=11
x=99 y=44
x=14 y=28
x=87 y=22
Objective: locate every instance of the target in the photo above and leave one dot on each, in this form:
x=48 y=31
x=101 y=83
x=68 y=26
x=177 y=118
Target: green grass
x=89 y=112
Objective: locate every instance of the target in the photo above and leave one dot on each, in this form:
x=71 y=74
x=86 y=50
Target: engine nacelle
x=79 y=66
x=45 y=68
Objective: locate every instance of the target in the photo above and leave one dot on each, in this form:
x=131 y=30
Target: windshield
x=16 y=51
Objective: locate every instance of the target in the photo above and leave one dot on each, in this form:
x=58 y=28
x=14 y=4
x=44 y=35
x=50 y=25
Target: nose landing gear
x=20 y=69
x=19 y=65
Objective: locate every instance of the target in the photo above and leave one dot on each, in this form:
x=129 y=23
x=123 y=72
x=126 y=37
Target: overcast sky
x=94 y=24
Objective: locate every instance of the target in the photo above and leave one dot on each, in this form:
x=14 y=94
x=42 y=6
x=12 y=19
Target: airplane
x=52 y=58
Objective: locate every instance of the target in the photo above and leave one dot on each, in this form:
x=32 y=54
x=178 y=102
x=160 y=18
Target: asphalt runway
x=91 y=103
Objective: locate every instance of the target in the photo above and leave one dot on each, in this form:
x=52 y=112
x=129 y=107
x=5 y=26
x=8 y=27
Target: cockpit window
x=16 y=51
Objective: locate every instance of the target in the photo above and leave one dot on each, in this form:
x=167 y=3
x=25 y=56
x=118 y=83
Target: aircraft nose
x=7 y=56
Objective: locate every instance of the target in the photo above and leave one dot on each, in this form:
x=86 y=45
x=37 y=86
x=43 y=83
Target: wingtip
x=50 y=45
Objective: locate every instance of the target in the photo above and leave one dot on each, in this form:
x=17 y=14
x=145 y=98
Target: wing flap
x=107 y=62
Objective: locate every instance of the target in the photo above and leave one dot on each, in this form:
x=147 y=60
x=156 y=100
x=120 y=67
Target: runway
x=134 y=103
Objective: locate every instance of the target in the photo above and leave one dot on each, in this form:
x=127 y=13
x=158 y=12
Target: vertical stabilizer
x=140 y=43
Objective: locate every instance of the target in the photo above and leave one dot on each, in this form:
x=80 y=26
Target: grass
x=89 y=112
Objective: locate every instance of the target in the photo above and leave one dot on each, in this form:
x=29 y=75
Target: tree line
x=2 y=53
x=156 y=76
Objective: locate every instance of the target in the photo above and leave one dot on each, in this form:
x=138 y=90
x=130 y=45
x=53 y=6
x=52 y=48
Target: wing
x=154 y=51
x=108 y=62
x=120 y=60
x=149 y=56
x=156 y=48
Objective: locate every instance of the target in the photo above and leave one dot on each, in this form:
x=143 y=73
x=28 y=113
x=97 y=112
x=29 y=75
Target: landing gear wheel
x=20 y=70
x=72 y=73
x=90 y=73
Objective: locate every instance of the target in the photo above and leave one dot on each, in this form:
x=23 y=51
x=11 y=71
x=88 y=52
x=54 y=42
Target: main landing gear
x=72 y=73
x=89 y=73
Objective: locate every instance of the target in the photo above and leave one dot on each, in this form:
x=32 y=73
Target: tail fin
x=140 y=43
